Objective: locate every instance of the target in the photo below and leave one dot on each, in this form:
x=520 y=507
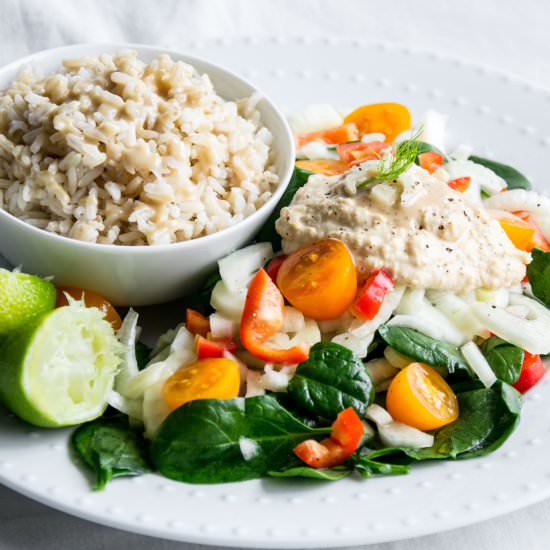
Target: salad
x=393 y=309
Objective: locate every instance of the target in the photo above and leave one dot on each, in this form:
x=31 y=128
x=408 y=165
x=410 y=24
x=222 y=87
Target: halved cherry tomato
x=91 y=299
x=208 y=348
x=389 y=119
x=274 y=265
x=460 y=184
x=319 y=279
x=262 y=317
x=532 y=370
x=520 y=232
x=327 y=167
x=539 y=241
x=430 y=161
x=334 y=135
x=418 y=396
x=347 y=431
x=356 y=153
x=371 y=295
x=205 y=379
x=196 y=323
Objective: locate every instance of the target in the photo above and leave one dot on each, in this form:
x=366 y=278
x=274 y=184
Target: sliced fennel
x=478 y=364
x=415 y=306
x=520 y=199
x=531 y=334
x=237 y=269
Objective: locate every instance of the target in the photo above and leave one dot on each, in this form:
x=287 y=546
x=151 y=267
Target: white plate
x=502 y=117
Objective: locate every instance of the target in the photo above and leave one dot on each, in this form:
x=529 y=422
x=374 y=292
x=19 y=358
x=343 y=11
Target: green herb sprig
x=404 y=156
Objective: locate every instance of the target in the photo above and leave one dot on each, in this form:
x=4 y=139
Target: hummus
x=425 y=234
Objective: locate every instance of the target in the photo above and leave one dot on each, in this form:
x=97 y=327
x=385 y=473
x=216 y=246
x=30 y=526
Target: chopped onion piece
x=317 y=150
x=253 y=384
x=248 y=447
x=396 y=359
x=380 y=369
x=359 y=345
x=293 y=320
x=237 y=269
x=397 y=434
x=221 y=327
x=378 y=415
x=478 y=364
x=480 y=176
x=227 y=303
x=314 y=118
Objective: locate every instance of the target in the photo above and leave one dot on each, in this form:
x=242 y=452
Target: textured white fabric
x=508 y=34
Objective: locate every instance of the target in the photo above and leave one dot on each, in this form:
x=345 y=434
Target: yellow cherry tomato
x=319 y=279
x=389 y=119
x=206 y=379
x=418 y=396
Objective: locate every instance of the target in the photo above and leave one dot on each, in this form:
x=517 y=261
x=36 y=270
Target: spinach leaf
x=487 y=418
x=110 y=448
x=538 y=274
x=268 y=233
x=201 y=441
x=427 y=148
x=424 y=348
x=332 y=379
x=325 y=474
x=513 y=178
x=504 y=358
x=143 y=354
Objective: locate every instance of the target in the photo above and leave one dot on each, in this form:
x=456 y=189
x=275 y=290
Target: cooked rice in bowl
x=114 y=150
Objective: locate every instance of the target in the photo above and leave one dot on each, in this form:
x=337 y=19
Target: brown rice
x=114 y=150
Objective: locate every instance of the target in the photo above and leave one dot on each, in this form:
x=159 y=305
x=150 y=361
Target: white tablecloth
x=508 y=34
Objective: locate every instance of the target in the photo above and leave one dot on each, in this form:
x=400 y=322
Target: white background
x=508 y=34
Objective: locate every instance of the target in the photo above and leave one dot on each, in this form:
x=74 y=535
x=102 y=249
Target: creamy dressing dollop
x=425 y=234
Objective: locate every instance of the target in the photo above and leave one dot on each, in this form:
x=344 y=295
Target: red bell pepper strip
x=430 y=161
x=532 y=370
x=371 y=295
x=460 y=184
x=347 y=431
x=262 y=317
x=355 y=153
x=337 y=134
x=207 y=349
x=196 y=323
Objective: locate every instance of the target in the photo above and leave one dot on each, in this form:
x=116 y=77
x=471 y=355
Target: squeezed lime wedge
x=23 y=297
x=60 y=367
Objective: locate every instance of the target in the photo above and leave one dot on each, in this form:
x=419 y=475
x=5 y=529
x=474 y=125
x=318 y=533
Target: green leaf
x=423 y=348
x=424 y=147
x=110 y=448
x=205 y=292
x=368 y=463
x=143 y=354
x=487 y=418
x=201 y=441
x=504 y=358
x=513 y=178
x=324 y=474
x=538 y=274
x=268 y=233
x=332 y=379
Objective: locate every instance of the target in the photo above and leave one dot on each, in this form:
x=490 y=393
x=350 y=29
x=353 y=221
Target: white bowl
x=140 y=275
